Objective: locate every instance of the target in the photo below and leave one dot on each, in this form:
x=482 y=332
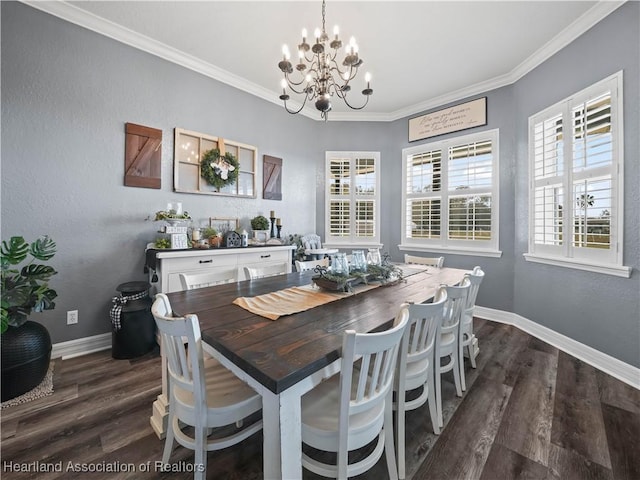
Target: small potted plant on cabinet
x=260 y=227
x=26 y=345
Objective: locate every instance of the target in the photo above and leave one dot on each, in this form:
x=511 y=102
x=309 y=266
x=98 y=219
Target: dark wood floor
x=529 y=412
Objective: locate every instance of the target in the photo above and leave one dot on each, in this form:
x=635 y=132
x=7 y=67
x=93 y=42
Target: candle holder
x=273 y=224
x=279 y=227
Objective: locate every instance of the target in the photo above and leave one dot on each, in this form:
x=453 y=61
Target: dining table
x=283 y=359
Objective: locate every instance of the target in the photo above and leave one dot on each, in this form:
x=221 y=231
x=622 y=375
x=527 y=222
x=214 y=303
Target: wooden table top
x=280 y=353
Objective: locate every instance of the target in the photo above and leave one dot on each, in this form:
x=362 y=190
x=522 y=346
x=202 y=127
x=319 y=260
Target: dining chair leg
x=400 y=434
x=472 y=347
x=389 y=447
x=463 y=383
x=456 y=375
x=168 y=442
x=200 y=454
x=438 y=380
x=433 y=408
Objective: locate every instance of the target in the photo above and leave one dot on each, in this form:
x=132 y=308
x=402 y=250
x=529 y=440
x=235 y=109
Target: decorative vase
x=26 y=353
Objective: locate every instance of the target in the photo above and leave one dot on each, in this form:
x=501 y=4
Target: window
x=575 y=171
x=353 y=196
x=450 y=195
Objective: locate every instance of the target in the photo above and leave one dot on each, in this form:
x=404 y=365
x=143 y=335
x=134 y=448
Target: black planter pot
x=26 y=353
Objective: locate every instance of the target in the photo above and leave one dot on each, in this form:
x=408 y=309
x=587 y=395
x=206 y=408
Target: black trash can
x=133 y=327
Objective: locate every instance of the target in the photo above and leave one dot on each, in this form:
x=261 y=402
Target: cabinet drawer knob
x=265 y=256
x=206 y=261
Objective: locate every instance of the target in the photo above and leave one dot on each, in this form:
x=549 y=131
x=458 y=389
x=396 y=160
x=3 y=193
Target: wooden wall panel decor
x=142 y=156
x=272 y=178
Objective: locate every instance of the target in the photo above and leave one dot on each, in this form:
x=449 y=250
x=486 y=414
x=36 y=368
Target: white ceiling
x=421 y=54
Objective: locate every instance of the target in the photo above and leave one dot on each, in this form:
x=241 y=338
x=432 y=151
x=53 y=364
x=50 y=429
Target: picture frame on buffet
x=224 y=224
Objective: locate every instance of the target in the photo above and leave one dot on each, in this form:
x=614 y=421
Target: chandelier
x=319 y=76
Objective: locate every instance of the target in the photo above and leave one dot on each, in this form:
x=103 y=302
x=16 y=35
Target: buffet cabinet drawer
x=256 y=258
x=203 y=262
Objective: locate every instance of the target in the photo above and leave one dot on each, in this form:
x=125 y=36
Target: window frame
x=489 y=248
x=352 y=241
x=186 y=172
x=565 y=254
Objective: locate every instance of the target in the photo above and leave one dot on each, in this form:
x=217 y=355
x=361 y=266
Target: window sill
x=616 y=270
x=352 y=245
x=475 y=252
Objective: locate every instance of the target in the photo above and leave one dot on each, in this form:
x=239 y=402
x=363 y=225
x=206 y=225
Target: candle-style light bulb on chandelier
x=319 y=76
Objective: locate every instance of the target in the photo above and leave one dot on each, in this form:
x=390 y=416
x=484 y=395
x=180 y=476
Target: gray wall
x=66 y=96
x=598 y=310
x=67 y=92
x=498 y=293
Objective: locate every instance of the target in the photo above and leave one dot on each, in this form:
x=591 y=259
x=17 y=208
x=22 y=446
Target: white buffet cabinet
x=170 y=264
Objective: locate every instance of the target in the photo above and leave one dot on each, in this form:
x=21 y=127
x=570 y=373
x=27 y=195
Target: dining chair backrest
x=455 y=305
x=467 y=337
x=368 y=387
x=415 y=369
x=265 y=271
x=475 y=279
x=181 y=335
x=433 y=261
x=302 y=266
x=378 y=354
x=418 y=343
x=448 y=346
x=200 y=280
x=203 y=394
x=353 y=408
x=311 y=241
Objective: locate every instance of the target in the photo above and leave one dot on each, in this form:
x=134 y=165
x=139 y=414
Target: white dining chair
x=265 y=271
x=433 y=261
x=310 y=242
x=200 y=280
x=202 y=393
x=467 y=337
x=415 y=368
x=448 y=347
x=302 y=266
x=353 y=408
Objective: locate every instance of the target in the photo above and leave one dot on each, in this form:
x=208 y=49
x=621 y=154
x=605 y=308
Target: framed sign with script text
x=451 y=119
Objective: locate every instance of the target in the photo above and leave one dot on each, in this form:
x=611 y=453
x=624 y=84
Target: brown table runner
x=293 y=300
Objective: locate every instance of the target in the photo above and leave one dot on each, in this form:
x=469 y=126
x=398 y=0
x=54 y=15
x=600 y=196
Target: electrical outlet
x=72 y=317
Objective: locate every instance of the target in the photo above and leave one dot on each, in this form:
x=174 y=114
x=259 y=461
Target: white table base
x=281 y=417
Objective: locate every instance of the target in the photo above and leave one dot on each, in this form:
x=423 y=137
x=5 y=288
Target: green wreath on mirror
x=219 y=170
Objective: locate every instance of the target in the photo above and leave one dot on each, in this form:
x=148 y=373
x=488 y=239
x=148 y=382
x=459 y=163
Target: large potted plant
x=26 y=345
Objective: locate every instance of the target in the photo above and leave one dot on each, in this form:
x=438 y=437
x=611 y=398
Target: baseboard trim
x=608 y=364
x=81 y=346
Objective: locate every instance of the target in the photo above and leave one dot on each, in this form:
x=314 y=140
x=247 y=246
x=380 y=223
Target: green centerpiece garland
x=219 y=170
x=386 y=274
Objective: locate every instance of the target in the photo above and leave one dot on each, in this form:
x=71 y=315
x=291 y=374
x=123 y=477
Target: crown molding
x=591 y=17
x=450 y=97
x=75 y=15
x=82 y=18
